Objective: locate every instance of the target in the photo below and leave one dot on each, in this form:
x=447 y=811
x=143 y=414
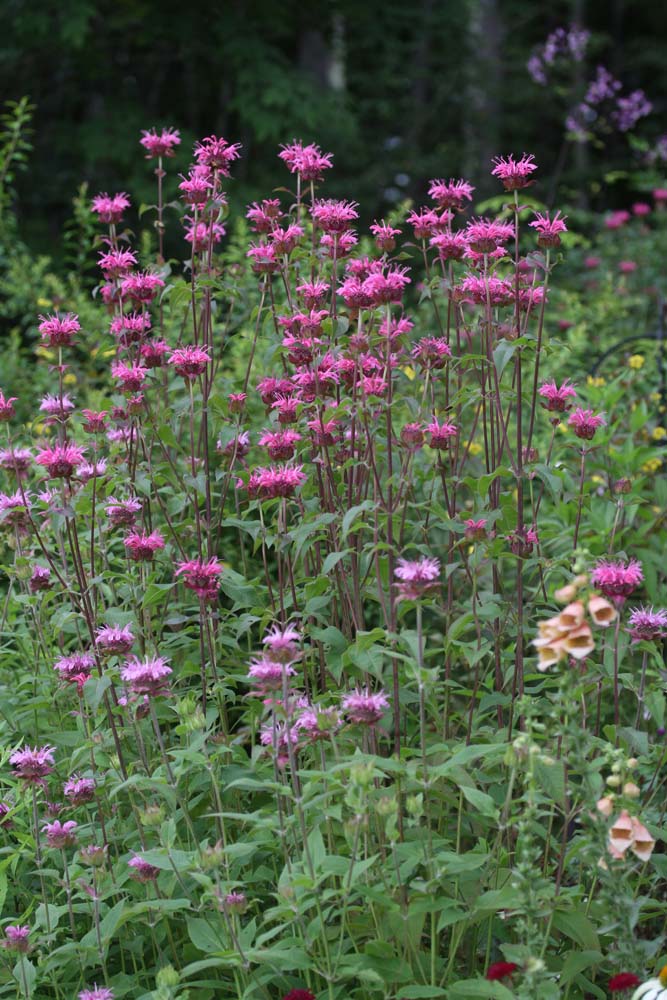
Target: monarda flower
x=498 y=971
x=32 y=764
x=149 y=677
x=484 y=236
x=114 y=639
x=153 y=353
x=94 y=422
x=17 y=938
x=217 y=153
x=424 y=222
x=236 y=447
x=189 y=362
x=338 y=245
x=142 y=871
x=417 y=577
x=412 y=436
x=299 y=995
x=97 y=993
x=79 y=790
x=201 y=576
x=515 y=174
x=162 y=143
x=431 y=352
x=263 y=257
x=91 y=470
x=475 y=531
x=16 y=460
x=318 y=723
x=130 y=377
x=61 y=460
x=365 y=707
x=269 y=675
x=196 y=188
x=15 y=510
x=7 y=410
x=307 y=161
x=263 y=217
x=557 y=396
x=202 y=235
x=313 y=293
x=59 y=834
x=450 y=246
x=142 y=288
x=110 y=208
x=40 y=579
x=617 y=579
x=548 y=230
x=451 y=193
x=122 y=512
x=275 y=481
x=116 y=263
x=585 y=423
x=59 y=331
x=142 y=546
x=280 y=444
x=282 y=644
x=75 y=668
x=385 y=236
x=334 y=217
x=440 y=434
x=285 y=240
x=623 y=981
x=647 y=624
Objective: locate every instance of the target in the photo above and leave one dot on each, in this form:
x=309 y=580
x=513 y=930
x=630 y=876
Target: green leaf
x=578 y=961
x=480 y=801
x=576 y=925
x=416 y=992
x=479 y=988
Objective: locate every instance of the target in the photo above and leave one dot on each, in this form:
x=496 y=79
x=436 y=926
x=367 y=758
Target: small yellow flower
x=410 y=372
x=44 y=303
x=109 y=353
x=652 y=465
x=659 y=433
x=595 y=382
x=597 y=479
x=655 y=397
x=45 y=352
x=563 y=428
x=69 y=379
x=636 y=361
x=473 y=447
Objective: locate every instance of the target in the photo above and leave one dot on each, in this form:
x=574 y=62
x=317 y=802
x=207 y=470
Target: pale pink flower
x=79 y=790
x=441 y=434
x=148 y=677
x=32 y=764
x=417 y=577
x=91 y=470
x=110 y=208
x=114 y=639
x=269 y=674
x=74 y=667
x=7 y=410
x=15 y=510
x=318 y=722
x=97 y=993
x=123 y=512
x=40 y=579
x=142 y=871
x=162 y=143
x=647 y=624
x=59 y=834
x=17 y=938
x=16 y=460
x=365 y=707
x=557 y=397
x=515 y=174
x=282 y=644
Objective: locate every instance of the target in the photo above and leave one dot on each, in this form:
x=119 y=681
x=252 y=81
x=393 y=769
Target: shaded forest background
x=400 y=92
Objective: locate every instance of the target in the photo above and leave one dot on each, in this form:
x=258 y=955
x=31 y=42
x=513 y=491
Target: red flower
x=500 y=970
x=623 y=981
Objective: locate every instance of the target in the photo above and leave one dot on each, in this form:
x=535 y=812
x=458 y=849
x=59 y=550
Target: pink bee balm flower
x=424 y=222
x=263 y=217
x=94 y=423
x=40 y=579
x=412 y=436
x=217 y=154
x=75 y=668
x=142 y=871
x=196 y=188
x=79 y=790
x=308 y=161
x=282 y=644
x=441 y=434
x=640 y=208
x=110 y=208
x=275 y=481
x=484 y=235
x=286 y=239
x=237 y=401
x=627 y=266
x=58 y=331
x=450 y=194
x=585 y=423
x=417 y=577
x=385 y=236
x=59 y=407
x=16 y=460
x=7 y=410
x=61 y=461
x=280 y=444
x=15 y=510
x=147 y=677
x=313 y=293
x=189 y=362
x=338 y=245
x=17 y=938
x=97 y=993
x=153 y=353
x=450 y=246
x=32 y=765
x=365 y=707
x=431 y=352
x=91 y=470
x=235 y=902
x=319 y=723
x=263 y=257
x=130 y=376
x=60 y=834
x=592 y=262
x=123 y=512
x=617 y=219
x=475 y=530
x=647 y=624
x=660 y=195
x=203 y=234
x=143 y=546
x=163 y=143
x=269 y=674
x=616 y=578
x=202 y=577
x=333 y=216
x=557 y=397
x=130 y=328
x=548 y=230
x=515 y=174
x=116 y=263
x=114 y=639
x=142 y=287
